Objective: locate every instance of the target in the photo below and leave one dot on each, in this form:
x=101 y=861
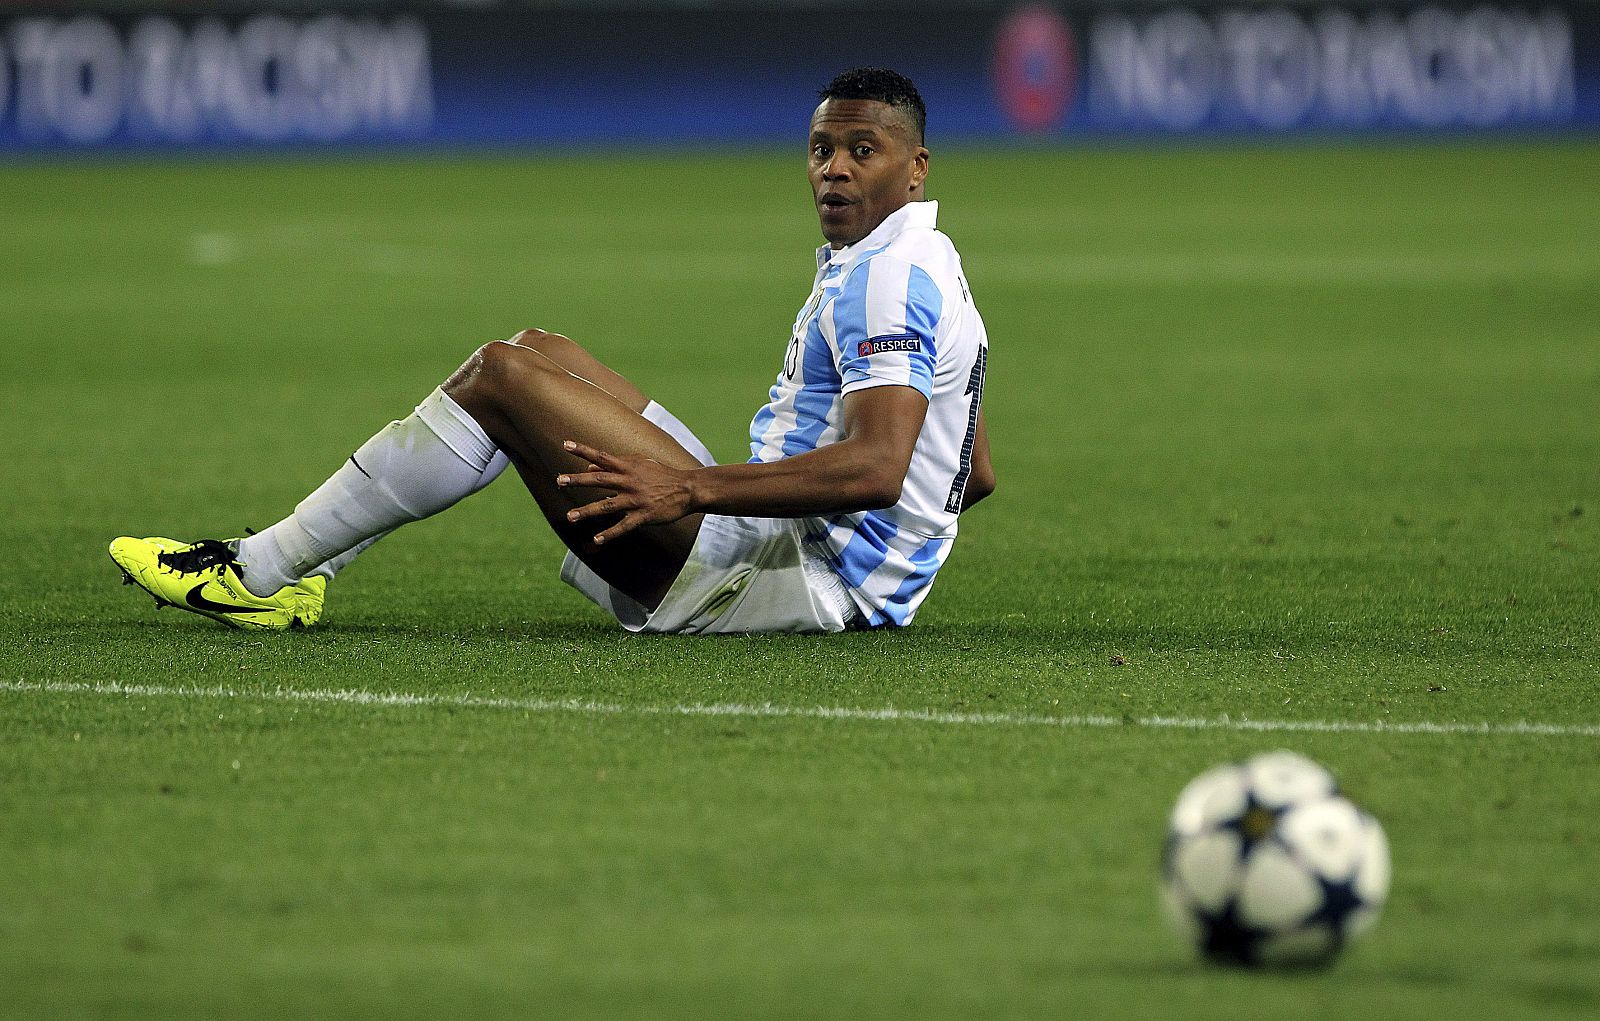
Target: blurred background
x=160 y=75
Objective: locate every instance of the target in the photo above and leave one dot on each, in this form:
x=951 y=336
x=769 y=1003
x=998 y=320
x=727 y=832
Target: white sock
x=345 y=559
x=412 y=469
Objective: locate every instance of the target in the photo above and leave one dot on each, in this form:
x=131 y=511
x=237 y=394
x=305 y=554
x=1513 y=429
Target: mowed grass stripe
x=388 y=699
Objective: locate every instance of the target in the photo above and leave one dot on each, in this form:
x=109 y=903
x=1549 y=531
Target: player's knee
x=529 y=338
x=543 y=341
x=496 y=371
x=510 y=366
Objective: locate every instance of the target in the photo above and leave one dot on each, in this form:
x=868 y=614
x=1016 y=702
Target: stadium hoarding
x=171 y=77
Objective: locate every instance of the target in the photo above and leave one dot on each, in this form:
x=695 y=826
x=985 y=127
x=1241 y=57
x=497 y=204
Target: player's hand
x=647 y=491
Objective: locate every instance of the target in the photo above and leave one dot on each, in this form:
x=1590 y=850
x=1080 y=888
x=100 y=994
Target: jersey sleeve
x=885 y=320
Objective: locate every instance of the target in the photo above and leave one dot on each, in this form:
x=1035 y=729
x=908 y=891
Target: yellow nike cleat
x=203 y=577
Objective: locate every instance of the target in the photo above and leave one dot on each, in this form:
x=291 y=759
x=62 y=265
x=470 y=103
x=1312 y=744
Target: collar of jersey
x=907 y=217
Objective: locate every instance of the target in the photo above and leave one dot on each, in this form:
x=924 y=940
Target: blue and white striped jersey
x=893 y=309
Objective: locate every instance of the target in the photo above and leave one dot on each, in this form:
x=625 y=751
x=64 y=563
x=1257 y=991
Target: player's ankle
x=262 y=565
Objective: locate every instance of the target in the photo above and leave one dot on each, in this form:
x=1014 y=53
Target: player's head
x=867 y=153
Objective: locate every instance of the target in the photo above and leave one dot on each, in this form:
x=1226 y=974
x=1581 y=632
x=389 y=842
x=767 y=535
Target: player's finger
x=628 y=523
x=588 y=510
x=598 y=457
x=594 y=477
x=609 y=505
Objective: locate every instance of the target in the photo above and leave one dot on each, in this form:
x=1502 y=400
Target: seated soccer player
x=870 y=446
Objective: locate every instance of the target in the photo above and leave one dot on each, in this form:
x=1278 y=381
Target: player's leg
x=420 y=465
x=574 y=359
x=411 y=469
x=528 y=404
x=441 y=453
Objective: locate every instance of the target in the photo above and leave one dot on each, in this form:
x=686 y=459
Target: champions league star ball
x=1267 y=864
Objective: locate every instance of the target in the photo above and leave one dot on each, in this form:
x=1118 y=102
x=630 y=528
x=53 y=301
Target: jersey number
x=958 y=488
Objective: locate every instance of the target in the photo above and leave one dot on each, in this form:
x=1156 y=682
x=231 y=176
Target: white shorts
x=744 y=575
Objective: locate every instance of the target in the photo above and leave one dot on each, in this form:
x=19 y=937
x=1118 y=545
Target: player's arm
x=865 y=470
x=981 y=482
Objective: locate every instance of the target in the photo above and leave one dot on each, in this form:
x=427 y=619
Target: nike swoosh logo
x=200 y=602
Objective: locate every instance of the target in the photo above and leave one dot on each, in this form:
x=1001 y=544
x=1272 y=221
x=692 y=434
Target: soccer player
x=870 y=446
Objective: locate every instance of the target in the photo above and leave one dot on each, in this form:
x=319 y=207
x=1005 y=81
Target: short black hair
x=883 y=86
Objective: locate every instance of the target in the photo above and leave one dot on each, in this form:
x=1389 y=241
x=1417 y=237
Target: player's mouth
x=833 y=201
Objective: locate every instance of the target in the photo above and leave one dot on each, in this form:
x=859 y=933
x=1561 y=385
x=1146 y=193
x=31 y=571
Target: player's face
x=865 y=163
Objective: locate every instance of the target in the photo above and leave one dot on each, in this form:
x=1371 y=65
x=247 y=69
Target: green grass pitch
x=1301 y=434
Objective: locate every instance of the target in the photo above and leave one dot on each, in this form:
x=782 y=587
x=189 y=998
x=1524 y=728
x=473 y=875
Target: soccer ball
x=1267 y=864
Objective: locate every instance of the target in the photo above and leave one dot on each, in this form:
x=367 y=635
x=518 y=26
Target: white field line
x=768 y=710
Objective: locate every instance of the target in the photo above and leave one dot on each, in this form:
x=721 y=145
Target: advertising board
x=548 y=78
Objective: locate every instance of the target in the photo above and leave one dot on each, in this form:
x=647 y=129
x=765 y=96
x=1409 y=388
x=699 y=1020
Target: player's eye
x=819 y=152
x=863 y=151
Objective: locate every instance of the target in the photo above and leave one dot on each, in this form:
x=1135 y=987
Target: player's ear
x=919 y=167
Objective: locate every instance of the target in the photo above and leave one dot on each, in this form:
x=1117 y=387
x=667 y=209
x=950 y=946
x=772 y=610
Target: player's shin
x=412 y=469
x=329 y=568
